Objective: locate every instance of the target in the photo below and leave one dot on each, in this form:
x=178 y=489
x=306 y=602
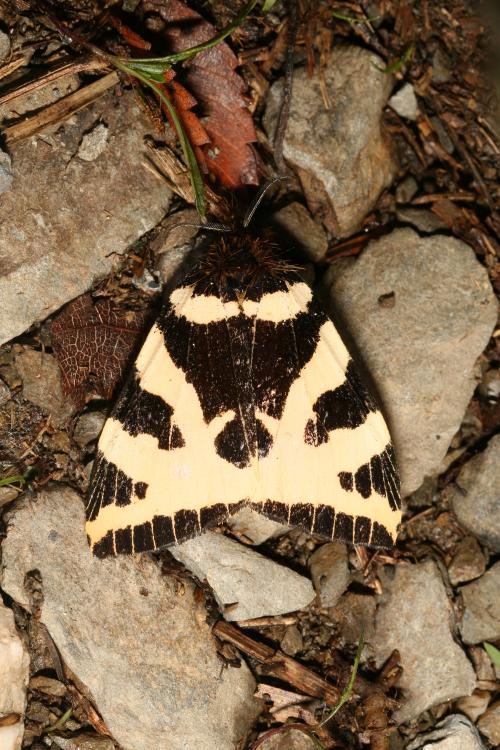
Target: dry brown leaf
x=219 y=90
x=93 y=343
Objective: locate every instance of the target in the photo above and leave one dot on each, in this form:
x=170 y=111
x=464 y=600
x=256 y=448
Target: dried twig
x=60 y=110
x=279 y=664
x=56 y=71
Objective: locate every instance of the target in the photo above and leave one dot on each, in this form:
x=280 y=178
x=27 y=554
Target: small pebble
x=468 y=561
x=93 y=143
x=88 y=427
x=405 y=103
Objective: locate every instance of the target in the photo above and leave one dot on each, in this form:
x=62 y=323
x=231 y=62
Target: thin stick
x=279 y=664
x=60 y=110
x=57 y=71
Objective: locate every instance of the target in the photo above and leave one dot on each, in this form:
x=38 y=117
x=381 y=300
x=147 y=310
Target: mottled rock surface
x=414 y=617
x=453 y=733
x=144 y=650
x=468 y=561
x=330 y=572
x=42 y=384
x=420 y=351
x=14 y=672
x=348 y=154
x=489 y=724
x=255 y=527
x=54 y=243
x=476 y=495
x=300 y=227
x=250 y=583
x=481 y=619
x=292 y=739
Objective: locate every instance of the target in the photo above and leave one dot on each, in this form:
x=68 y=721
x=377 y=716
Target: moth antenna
x=253 y=208
x=212 y=227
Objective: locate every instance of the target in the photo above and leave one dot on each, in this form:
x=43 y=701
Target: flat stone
x=6 y=177
x=245 y=584
x=476 y=495
x=93 y=143
x=255 y=527
x=348 y=154
x=84 y=741
x=414 y=617
x=42 y=384
x=330 y=572
x=292 y=642
x=301 y=228
x=489 y=724
x=354 y=615
x=88 y=427
x=473 y=706
x=420 y=352
x=404 y=102
x=290 y=739
x=481 y=619
x=55 y=243
x=421 y=218
x=144 y=651
x=4 y=46
x=14 y=673
x=453 y=733
x=467 y=563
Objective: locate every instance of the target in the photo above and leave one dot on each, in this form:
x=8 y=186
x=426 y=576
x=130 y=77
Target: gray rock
x=88 y=428
x=467 y=563
x=174 y=243
x=421 y=218
x=481 y=619
x=5 y=393
x=414 y=617
x=6 y=177
x=453 y=733
x=14 y=673
x=299 y=225
x=489 y=724
x=404 y=102
x=292 y=642
x=93 y=142
x=255 y=527
x=42 y=384
x=4 y=46
x=476 y=496
x=474 y=706
x=84 y=741
x=7 y=495
x=290 y=739
x=348 y=153
x=330 y=572
x=354 y=615
x=245 y=584
x=54 y=243
x=144 y=650
x=421 y=351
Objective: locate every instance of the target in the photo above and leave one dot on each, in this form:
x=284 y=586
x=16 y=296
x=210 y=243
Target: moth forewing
x=243 y=393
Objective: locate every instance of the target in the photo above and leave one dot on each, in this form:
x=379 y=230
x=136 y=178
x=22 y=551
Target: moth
x=243 y=393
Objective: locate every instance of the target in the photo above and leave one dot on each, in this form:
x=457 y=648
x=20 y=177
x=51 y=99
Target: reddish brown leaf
x=183 y=102
x=219 y=91
x=93 y=343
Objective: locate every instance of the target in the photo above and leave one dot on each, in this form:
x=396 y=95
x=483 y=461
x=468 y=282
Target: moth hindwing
x=243 y=393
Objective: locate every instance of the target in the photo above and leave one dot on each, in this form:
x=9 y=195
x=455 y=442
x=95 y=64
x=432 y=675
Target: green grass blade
x=348 y=690
x=493 y=653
